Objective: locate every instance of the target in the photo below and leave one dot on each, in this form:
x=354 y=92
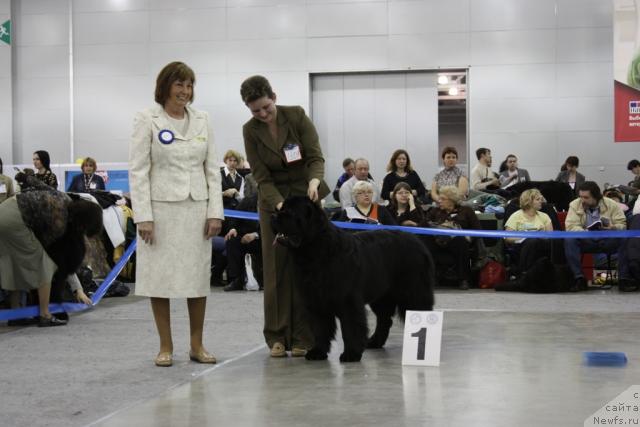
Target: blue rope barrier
x=71 y=307
x=614 y=234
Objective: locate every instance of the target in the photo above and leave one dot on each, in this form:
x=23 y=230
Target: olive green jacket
x=276 y=179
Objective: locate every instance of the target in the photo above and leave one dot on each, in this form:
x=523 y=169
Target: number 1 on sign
x=422 y=342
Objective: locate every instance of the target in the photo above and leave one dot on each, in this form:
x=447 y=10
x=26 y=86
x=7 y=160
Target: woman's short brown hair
x=449 y=150
x=391 y=167
x=89 y=161
x=172 y=72
x=255 y=87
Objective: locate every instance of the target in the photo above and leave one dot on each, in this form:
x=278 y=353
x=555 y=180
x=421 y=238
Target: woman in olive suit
x=286 y=160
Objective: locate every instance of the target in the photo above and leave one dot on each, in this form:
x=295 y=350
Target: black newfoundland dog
x=342 y=271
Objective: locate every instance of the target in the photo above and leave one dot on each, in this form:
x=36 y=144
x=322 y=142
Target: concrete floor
x=507 y=360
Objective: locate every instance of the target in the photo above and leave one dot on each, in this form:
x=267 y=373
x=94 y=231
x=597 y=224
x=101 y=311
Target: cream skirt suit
x=175 y=182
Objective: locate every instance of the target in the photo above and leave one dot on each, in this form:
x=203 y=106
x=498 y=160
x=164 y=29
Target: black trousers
x=236 y=251
x=532 y=250
x=446 y=250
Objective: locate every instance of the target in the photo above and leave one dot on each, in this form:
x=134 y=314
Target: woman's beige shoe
x=278 y=350
x=202 y=357
x=164 y=359
x=298 y=352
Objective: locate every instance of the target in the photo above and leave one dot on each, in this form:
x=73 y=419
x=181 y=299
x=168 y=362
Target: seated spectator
x=450 y=175
x=87 y=181
x=403 y=206
x=615 y=195
x=451 y=214
x=42 y=165
x=364 y=211
x=482 y=177
x=361 y=174
x=529 y=218
x=629 y=260
x=42 y=232
x=570 y=175
x=349 y=167
x=6 y=185
x=589 y=213
x=512 y=174
x=634 y=167
x=241 y=239
x=232 y=181
x=400 y=170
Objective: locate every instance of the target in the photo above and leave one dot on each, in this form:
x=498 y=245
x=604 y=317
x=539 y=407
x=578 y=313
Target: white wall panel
x=188 y=4
x=585 y=45
x=422 y=124
x=111 y=60
x=510 y=115
x=43 y=6
x=42 y=30
x=42 y=61
x=110 y=28
x=584 y=79
x=90 y=113
x=347 y=54
x=513 y=47
x=80 y=6
x=328 y=104
x=429 y=50
x=431 y=16
x=51 y=134
x=492 y=15
x=268 y=55
x=202 y=57
x=577 y=114
x=283 y=21
x=242 y=3
x=43 y=93
x=585 y=13
x=187 y=25
x=513 y=81
x=349 y=19
x=594 y=148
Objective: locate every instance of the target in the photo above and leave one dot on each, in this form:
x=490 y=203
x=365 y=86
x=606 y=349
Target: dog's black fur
x=342 y=271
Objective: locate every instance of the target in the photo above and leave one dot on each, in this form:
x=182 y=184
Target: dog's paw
x=374 y=342
x=316 y=354
x=350 y=357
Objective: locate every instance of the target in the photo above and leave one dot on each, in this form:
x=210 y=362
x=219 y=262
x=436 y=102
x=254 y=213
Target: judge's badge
x=292 y=153
x=166 y=136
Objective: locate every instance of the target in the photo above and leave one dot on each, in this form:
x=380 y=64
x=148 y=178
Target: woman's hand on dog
x=312 y=192
x=145 y=231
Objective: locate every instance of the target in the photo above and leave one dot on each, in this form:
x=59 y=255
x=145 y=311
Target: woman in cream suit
x=177 y=204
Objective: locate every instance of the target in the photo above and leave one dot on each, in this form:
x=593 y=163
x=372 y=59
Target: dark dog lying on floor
x=342 y=271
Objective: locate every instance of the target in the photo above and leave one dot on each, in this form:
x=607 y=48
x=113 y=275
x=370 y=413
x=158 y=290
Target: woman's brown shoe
x=164 y=359
x=278 y=350
x=202 y=357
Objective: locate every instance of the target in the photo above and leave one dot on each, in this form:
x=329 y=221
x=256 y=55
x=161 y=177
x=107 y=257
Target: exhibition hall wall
x=539 y=72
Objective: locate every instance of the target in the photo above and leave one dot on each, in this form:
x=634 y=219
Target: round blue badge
x=166 y=136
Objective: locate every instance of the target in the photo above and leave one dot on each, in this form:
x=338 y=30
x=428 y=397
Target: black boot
x=236 y=284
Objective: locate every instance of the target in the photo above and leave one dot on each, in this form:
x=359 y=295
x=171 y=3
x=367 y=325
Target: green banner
x=5 y=32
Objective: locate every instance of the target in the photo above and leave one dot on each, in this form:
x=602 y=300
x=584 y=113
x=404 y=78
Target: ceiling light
x=442 y=79
x=453 y=91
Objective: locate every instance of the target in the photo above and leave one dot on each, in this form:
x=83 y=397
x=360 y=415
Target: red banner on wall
x=627 y=113
x=626 y=72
